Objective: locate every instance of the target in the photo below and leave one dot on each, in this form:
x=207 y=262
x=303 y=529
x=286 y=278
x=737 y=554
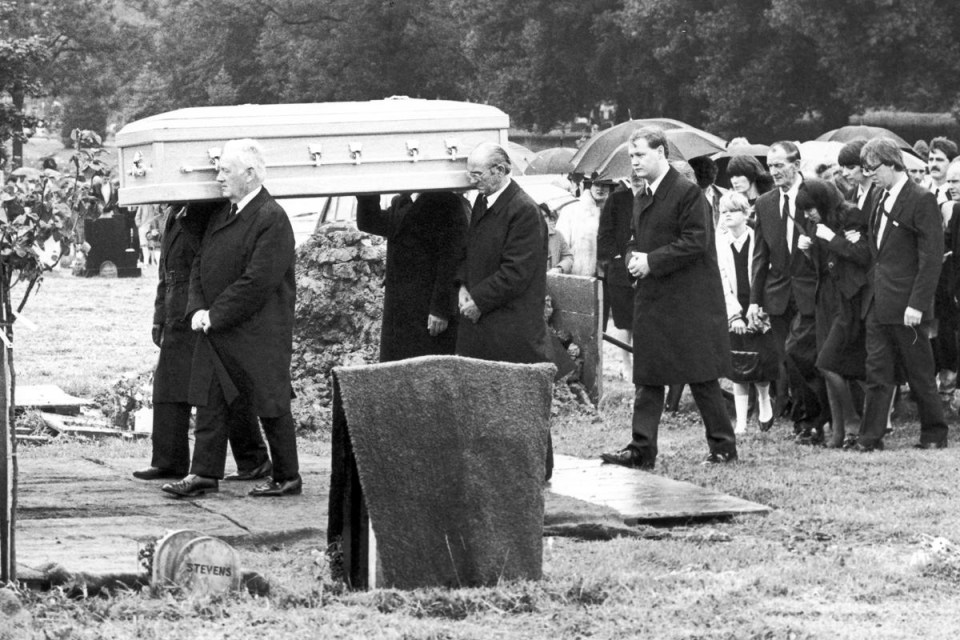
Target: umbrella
x=852 y=132
x=722 y=158
x=551 y=161
x=598 y=149
x=27 y=172
x=816 y=152
x=520 y=157
x=682 y=144
x=545 y=190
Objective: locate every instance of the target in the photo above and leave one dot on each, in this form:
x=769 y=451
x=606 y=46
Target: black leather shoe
x=766 y=425
x=263 y=471
x=849 y=442
x=192 y=486
x=861 y=448
x=156 y=473
x=721 y=457
x=931 y=445
x=273 y=488
x=627 y=458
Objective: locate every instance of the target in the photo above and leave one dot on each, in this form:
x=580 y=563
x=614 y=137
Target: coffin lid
x=391 y=115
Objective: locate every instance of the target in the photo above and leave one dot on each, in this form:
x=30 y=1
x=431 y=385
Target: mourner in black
x=183 y=229
x=242 y=294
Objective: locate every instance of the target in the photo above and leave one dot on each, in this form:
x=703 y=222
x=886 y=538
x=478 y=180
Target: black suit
x=785 y=286
x=906 y=267
x=680 y=316
x=171 y=380
x=244 y=276
x=613 y=234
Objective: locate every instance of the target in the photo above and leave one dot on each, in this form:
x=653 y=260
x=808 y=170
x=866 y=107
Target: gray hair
x=249 y=154
x=492 y=154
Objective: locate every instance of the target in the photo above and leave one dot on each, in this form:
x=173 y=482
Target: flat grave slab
x=640 y=496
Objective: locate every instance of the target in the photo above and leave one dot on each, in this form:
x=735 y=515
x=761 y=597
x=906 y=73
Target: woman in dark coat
x=841 y=231
x=424 y=236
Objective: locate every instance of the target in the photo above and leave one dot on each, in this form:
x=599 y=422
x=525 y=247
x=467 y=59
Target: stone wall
x=337 y=321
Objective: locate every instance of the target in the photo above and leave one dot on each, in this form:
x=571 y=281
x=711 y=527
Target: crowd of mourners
x=838 y=287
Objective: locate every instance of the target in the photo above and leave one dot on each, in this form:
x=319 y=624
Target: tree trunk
x=16 y=159
x=8 y=441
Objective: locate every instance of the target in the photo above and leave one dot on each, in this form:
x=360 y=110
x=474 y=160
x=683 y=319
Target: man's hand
x=825 y=233
x=468 y=308
x=912 y=317
x=436 y=325
x=201 y=321
x=804 y=242
x=753 y=314
x=157 y=334
x=738 y=326
x=639 y=266
x=852 y=236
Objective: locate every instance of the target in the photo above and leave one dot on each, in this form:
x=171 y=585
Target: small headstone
x=208 y=566
x=167 y=551
x=143 y=420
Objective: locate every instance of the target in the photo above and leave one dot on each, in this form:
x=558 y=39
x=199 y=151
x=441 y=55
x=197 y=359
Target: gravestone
x=199 y=564
x=445 y=456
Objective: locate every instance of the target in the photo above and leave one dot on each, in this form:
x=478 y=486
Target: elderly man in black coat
x=242 y=295
x=680 y=319
x=183 y=229
x=425 y=234
x=502 y=278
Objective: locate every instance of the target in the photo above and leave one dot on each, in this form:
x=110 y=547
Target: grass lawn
x=844 y=554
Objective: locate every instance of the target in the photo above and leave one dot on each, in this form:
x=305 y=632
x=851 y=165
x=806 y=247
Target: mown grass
x=843 y=555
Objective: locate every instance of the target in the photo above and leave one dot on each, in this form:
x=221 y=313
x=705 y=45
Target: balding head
x=488 y=166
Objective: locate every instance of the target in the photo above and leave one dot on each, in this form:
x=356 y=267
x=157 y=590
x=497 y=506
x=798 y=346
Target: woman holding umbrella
x=748 y=177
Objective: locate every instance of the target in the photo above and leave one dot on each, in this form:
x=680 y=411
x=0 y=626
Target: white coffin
x=334 y=148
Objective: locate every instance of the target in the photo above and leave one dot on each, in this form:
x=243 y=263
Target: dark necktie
x=878 y=216
x=786 y=209
x=479 y=208
x=233 y=211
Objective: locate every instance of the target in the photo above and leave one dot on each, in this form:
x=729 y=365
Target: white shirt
x=245 y=200
x=653 y=186
x=861 y=196
x=791 y=194
x=892 y=195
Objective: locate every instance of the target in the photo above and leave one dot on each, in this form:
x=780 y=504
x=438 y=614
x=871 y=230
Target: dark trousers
x=219 y=423
x=885 y=344
x=796 y=337
x=171 y=450
x=648 y=408
x=945 y=348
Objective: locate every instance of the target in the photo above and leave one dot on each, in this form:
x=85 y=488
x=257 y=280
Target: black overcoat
x=613 y=234
x=680 y=317
x=180 y=245
x=504 y=270
x=424 y=241
x=244 y=275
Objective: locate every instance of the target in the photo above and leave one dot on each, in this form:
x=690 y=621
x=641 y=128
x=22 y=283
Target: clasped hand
x=201 y=321
x=639 y=265
x=468 y=308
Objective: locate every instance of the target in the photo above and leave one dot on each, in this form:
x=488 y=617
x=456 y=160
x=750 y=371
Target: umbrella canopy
x=598 y=149
x=27 y=172
x=852 y=132
x=545 y=190
x=551 y=161
x=682 y=144
x=520 y=157
x=722 y=158
x=816 y=152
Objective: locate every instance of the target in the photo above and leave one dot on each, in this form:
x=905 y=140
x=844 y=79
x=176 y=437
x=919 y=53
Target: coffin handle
x=316 y=152
x=413 y=150
x=356 y=149
x=138 y=170
x=453 y=146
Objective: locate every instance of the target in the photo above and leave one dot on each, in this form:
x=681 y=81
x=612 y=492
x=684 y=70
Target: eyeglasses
x=870 y=168
x=476 y=175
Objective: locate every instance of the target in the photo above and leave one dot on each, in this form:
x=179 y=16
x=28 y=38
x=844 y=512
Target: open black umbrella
x=597 y=150
x=854 y=131
x=551 y=161
x=682 y=144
